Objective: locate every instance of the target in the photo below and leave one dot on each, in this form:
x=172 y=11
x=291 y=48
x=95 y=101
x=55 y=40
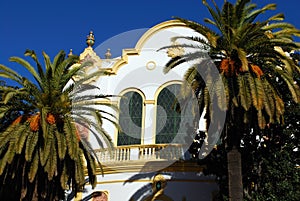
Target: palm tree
x=42 y=152
x=251 y=57
x=9 y=117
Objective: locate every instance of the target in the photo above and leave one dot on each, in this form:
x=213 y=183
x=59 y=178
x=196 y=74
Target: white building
x=150 y=160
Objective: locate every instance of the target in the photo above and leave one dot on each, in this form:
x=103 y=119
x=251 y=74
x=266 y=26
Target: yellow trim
x=131 y=51
x=161 y=87
x=78 y=196
x=123 y=181
x=132 y=89
x=156 y=28
x=145 y=166
x=97 y=62
x=149 y=102
x=149 y=180
x=151 y=65
x=155 y=99
x=137 y=49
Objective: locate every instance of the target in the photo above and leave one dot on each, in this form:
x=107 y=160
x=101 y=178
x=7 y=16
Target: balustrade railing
x=142 y=152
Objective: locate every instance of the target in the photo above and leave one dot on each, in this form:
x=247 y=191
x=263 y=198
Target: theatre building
x=150 y=159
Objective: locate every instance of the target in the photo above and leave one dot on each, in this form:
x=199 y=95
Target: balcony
x=147 y=158
x=151 y=152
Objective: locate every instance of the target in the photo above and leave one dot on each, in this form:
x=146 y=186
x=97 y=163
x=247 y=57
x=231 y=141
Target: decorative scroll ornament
x=175 y=50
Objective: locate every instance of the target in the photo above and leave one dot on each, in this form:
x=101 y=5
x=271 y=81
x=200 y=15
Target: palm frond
x=11 y=72
x=30 y=68
x=221 y=93
x=269 y=105
x=261 y=119
x=44 y=139
x=292 y=86
x=33 y=55
x=71 y=139
x=20 y=142
x=10 y=76
x=244 y=91
x=173 y=63
x=51 y=164
x=277 y=17
x=282 y=25
x=256 y=90
x=243 y=58
x=60 y=57
x=91 y=165
x=203 y=30
x=33 y=167
x=46 y=151
x=240 y=6
x=252 y=16
x=61 y=144
x=79 y=168
x=31 y=144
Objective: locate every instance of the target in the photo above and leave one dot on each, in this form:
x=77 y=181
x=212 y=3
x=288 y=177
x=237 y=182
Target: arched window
x=130 y=119
x=167 y=117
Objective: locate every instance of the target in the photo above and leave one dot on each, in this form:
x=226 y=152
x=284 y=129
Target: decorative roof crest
x=90 y=39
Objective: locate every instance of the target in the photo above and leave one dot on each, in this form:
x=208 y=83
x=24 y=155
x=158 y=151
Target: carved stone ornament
x=175 y=51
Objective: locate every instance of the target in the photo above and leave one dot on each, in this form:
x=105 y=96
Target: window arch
x=167 y=115
x=130 y=118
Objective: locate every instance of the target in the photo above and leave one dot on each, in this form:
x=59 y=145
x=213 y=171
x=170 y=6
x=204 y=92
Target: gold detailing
x=175 y=51
x=90 y=39
x=157 y=28
x=90 y=55
x=161 y=179
x=70 y=53
x=139 y=45
x=151 y=65
x=148 y=180
x=149 y=102
x=108 y=54
x=78 y=196
x=158 y=186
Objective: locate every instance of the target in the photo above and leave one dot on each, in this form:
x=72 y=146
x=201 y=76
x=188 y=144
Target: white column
x=150 y=122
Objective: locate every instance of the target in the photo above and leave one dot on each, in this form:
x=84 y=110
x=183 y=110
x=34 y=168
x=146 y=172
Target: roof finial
x=108 y=54
x=90 y=39
x=70 y=53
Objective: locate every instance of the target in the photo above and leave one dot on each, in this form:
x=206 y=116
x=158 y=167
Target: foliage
x=274 y=172
x=270 y=162
x=251 y=58
x=247 y=55
x=9 y=118
x=42 y=152
x=270 y=159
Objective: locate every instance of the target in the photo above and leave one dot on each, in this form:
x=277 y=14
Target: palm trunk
x=235 y=175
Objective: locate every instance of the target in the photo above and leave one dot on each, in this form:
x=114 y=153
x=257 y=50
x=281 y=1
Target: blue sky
x=55 y=25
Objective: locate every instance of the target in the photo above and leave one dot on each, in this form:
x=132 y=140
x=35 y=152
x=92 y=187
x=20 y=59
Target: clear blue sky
x=60 y=25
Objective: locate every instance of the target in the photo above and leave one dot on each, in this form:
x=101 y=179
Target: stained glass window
x=130 y=119
x=167 y=118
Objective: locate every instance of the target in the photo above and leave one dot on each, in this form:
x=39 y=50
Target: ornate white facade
x=153 y=162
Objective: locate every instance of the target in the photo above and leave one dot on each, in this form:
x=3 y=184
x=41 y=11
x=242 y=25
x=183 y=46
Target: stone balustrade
x=142 y=152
